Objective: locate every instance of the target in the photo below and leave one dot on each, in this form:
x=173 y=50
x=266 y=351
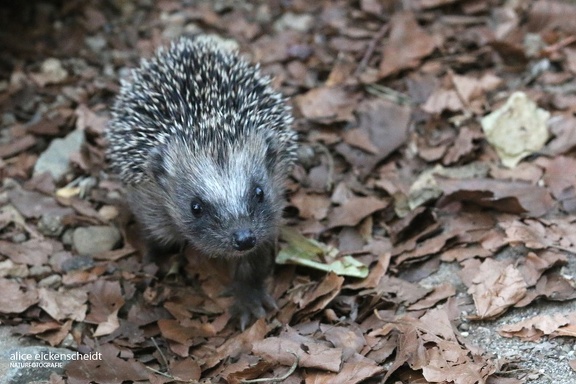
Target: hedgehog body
x=204 y=145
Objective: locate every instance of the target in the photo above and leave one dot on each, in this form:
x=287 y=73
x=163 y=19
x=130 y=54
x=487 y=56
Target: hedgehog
x=204 y=145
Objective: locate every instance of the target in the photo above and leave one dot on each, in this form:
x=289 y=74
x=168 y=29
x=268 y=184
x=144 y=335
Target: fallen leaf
x=105 y=299
x=355 y=370
x=517 y=129
x=64 y=304
x=18 y=145
x=108 y=369
x=536 y=234
x=16 y=298
x=505 y=196
x=315 y=298
x=313 y=254
x=443 y=100
x=327 y=104
x=311 y=205
x=382 y=129
x=310 y=354
x=439 y=293
x=495 y=287
x=534 y=328
x=354 y=210
x=186 y=370
x=33 y=204
x=406 y=45
x=31 y=252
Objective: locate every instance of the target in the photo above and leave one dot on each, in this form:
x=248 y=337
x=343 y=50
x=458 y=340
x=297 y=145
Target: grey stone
x=293 y=21
x=19 y=237
x=95 y=43
x=39 y=270
x=10 y=344
x=96 y=239
x=50 y=225
x=67 y=236
x=13 y=363
x=8 y=119
x=80 y=262
x=55 y=159
x=51 y=281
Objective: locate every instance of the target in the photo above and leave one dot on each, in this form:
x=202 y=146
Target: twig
x=164 y=361
x=389 y=94
x=277 y=379
x=370 y=49
x=175 y=378
x=559 y=45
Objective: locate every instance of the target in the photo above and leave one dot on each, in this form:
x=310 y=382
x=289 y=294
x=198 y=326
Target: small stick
x=164 y=361
x=370 y=49
x=277 y=379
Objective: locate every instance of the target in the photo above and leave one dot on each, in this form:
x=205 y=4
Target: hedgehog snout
x=243 y=239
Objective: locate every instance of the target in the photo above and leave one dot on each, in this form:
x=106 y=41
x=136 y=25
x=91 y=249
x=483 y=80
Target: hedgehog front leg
x=248 y=287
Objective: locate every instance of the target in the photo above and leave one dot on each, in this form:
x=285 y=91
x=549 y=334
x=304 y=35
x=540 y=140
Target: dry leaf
x=517 y=129
x=496 y=287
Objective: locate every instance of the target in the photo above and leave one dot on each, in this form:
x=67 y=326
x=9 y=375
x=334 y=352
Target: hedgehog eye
x=259 y=193
x=196 y=208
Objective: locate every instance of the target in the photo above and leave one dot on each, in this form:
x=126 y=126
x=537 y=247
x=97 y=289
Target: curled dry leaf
x=505 y=196
x=313 y=254
x=534 y=328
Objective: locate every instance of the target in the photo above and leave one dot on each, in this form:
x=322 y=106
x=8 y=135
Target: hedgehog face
x=225 y=202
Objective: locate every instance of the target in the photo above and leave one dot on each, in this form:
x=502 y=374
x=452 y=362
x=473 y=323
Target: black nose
x=244 y=240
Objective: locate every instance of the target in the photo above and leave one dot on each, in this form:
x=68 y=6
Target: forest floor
x=430 y=222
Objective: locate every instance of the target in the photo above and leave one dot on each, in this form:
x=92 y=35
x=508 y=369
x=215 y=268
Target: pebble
x=51 y=281
x=53 y=71
x=108 y=212
x=77 y=263
x=55 y=159
x=95 y=239
x=69 y=342
x=39 y=270
x=67 y=236
x=293 y=21
x=19 y=237
x=8 y=268
x=50 y=225
x=95 y=43
x=8 y=119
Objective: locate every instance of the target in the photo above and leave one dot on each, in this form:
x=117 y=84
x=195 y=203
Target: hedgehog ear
x=271 y=156
x=155 y=168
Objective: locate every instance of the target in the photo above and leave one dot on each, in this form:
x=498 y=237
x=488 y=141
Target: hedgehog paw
x=250 y=304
